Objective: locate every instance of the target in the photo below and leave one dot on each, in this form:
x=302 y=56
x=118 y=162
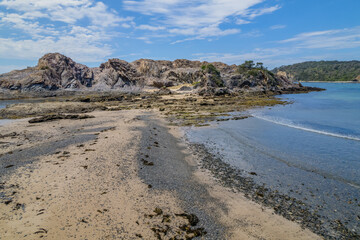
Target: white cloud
x=252 y=34
x=266 y=55
x=80 y=49
x=199 y=19
x=68 y=11
x=58 y=26
x=275 y=27
x=145 y=39
x=126 y=25
x=150 y=28
x=251 y=14
x=329 y=39
x=207 y=31
x=270 y=57
x=30 y=5
x=310 y=46
x=30 y=27
x=242 y=21
x=211 y=31
x=9 y=68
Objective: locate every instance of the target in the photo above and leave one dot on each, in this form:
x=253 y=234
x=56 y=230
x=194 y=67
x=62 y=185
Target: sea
x=3 y=104
x=309 y=149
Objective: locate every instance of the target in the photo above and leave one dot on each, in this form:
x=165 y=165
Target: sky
x=275 y=32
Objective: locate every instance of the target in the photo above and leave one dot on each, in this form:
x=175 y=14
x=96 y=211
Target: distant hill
x=322 y=71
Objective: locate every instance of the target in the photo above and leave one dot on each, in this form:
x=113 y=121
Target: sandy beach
x=120 y=175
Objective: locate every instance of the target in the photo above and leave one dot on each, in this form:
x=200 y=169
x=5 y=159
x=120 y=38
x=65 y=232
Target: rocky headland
x=56 y=72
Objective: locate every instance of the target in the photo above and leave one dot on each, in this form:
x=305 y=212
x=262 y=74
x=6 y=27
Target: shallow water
x=4 y=103
x=309 y=149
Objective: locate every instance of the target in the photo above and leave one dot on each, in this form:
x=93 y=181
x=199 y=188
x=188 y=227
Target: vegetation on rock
x=251 y=69
x=214 y=73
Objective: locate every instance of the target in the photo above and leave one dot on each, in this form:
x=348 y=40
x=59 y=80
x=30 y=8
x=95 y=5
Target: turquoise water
x=309 y=149
x=335 y=112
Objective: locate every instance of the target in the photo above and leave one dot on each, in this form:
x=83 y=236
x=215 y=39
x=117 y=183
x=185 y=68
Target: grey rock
x=55 y=71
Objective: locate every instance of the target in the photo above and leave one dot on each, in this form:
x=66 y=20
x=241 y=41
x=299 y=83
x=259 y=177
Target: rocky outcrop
x=54 y=117
x=286 y=75
x=58 y=72
x=54 y=71
x=115 y=74
x=170 y=73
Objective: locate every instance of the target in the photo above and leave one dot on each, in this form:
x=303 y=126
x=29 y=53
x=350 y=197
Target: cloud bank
x=198 y=19
x=78 y=28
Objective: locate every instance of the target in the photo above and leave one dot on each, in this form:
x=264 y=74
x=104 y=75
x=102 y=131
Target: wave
x=291 y=124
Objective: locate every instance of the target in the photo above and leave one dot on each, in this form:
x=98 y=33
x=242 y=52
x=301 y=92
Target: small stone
x=147 y=163
x=158 y=211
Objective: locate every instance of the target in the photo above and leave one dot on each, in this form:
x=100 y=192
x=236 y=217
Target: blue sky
x=276 y=32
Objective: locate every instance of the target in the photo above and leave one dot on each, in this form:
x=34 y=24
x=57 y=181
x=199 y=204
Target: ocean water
x=309 y=149
x=3 y=104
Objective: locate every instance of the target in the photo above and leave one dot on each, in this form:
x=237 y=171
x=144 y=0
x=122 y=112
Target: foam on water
x=289 y=123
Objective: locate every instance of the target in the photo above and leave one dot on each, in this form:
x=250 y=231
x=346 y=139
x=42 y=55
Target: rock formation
x=58 y=72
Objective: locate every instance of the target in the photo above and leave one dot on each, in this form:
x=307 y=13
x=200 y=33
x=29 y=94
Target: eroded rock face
x=58 y=72
x=54 y=71
x=116 y=73
x=63 y=73
x=176 y=72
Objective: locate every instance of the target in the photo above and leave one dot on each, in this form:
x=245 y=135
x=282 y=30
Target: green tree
x=259 y=65
x=323 y=70
x=246 y=66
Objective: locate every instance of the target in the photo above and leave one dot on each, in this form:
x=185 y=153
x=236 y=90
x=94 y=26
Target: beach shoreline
x=105 y=176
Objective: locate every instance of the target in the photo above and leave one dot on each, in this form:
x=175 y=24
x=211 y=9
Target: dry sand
x=86 y=179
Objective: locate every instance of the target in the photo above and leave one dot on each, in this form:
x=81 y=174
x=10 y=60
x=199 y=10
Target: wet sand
x=120 y=175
